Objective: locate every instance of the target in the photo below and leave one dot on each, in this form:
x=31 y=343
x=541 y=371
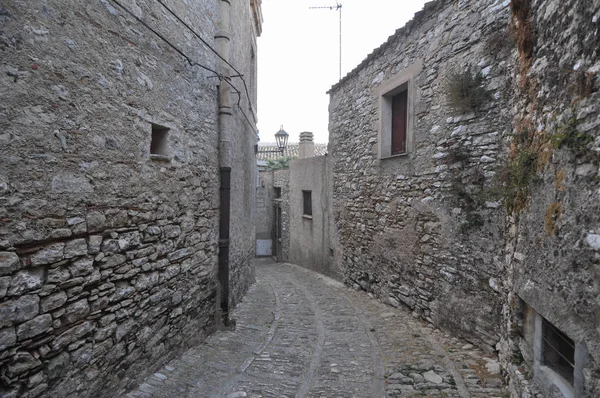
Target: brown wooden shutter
x=399 y=107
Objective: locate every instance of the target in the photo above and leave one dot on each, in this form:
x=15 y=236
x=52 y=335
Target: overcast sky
x=298 y=57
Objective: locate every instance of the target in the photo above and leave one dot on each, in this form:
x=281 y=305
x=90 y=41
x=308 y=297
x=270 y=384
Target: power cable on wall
x=192 y=62
x=239 y=74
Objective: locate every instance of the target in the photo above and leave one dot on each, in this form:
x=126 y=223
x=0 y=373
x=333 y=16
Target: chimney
x=306 y=149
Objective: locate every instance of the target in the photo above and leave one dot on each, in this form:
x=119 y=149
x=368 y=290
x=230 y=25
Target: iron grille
x=558 y=351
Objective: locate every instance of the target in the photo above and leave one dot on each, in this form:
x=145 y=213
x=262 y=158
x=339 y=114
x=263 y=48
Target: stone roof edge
x=428 y=8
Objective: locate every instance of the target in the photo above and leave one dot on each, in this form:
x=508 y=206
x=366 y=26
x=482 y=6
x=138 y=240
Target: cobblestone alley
x=300 y=334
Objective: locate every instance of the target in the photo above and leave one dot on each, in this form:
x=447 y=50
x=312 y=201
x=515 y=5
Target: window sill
x=160 y=158
x=306 y=216
x=400 y=155
x=550 y=377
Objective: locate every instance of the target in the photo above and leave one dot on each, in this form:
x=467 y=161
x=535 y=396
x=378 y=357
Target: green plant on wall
x=465 y=92
x=567 y=136
x=516 y=177
x=280 y=163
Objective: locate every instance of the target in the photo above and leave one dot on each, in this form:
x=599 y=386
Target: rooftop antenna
x=337 y=7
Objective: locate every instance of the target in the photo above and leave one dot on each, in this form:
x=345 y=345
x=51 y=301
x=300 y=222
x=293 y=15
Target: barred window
x=558 y=351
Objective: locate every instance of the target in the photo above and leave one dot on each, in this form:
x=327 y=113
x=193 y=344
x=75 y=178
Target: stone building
x=120 y=133
x=295 y=204
x=466 y=181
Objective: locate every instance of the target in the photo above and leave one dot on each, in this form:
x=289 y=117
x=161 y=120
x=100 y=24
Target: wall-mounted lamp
x=281 y=138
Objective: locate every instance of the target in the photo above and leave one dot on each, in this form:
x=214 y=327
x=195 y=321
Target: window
x=558 y=351
x=558 y=361
x=397 y=98
x=307 y=200
x=277 y=192
x=159 y=144
x=399 y=119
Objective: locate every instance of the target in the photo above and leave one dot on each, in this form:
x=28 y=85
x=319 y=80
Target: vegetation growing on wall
x=552 y=216
x=567 y=136
x=465 y=92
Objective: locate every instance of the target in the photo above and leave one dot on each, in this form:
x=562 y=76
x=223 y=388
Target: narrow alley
x=300 y=334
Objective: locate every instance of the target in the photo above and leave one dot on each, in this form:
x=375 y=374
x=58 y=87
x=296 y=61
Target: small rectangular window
x=558 y=351
x=399 y=118
x=159 y=144
x=277 y=192
x=307 y=199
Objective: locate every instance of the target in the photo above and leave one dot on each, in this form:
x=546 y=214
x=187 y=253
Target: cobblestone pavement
x=300 y=334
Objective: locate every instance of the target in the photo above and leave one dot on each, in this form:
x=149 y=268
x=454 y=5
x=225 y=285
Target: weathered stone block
x=53 y=302
x=105 y=332
x=178 y=254
x=35 y=379
x=106 y=320
x=71 y=183
x=171 y=231
x=20 y=310
x=58 y=275
x=39 y=390
x=34 y=327
x=21 y=363
x=124 y=329
x=94 y=243
x=58 y=366
x=26 y=280
x=113 y=261
x=75 y=248
x=83 y=355
x=95 y=221
x=71 y=335
x=75 y=311
x=4 y=284
x=8 y=338
x=82 y=266
x=145 y=281
x=48 y=255
x=122 y=291
x=102 y=348
x=9 y=262
x=110 y=246
x=99 y=304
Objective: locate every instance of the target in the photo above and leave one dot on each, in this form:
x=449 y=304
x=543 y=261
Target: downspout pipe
x=223 y=43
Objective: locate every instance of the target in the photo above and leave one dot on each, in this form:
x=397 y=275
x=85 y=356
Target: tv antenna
x=337 y=7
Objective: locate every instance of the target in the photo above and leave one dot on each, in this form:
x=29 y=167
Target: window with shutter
x=399 y=118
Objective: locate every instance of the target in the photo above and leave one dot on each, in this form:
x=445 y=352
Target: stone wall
x=265 y=194
x=418 y=229
x=553 y=254
x=488 y=226
x=281 y=179
x=108 y=254
x=244 y=171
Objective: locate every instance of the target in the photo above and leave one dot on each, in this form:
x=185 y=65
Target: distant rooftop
x=290 y=150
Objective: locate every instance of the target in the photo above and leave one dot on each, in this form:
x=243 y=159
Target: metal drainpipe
x=222 y=40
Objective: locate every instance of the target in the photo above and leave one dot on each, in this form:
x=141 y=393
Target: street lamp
x=281 y=138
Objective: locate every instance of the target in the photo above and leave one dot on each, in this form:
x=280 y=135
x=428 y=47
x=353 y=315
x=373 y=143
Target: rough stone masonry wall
x=264 y=210
x=108 y=256
x=417 y=229
x=281 y=179
x=554 y=247
x=244 y=171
